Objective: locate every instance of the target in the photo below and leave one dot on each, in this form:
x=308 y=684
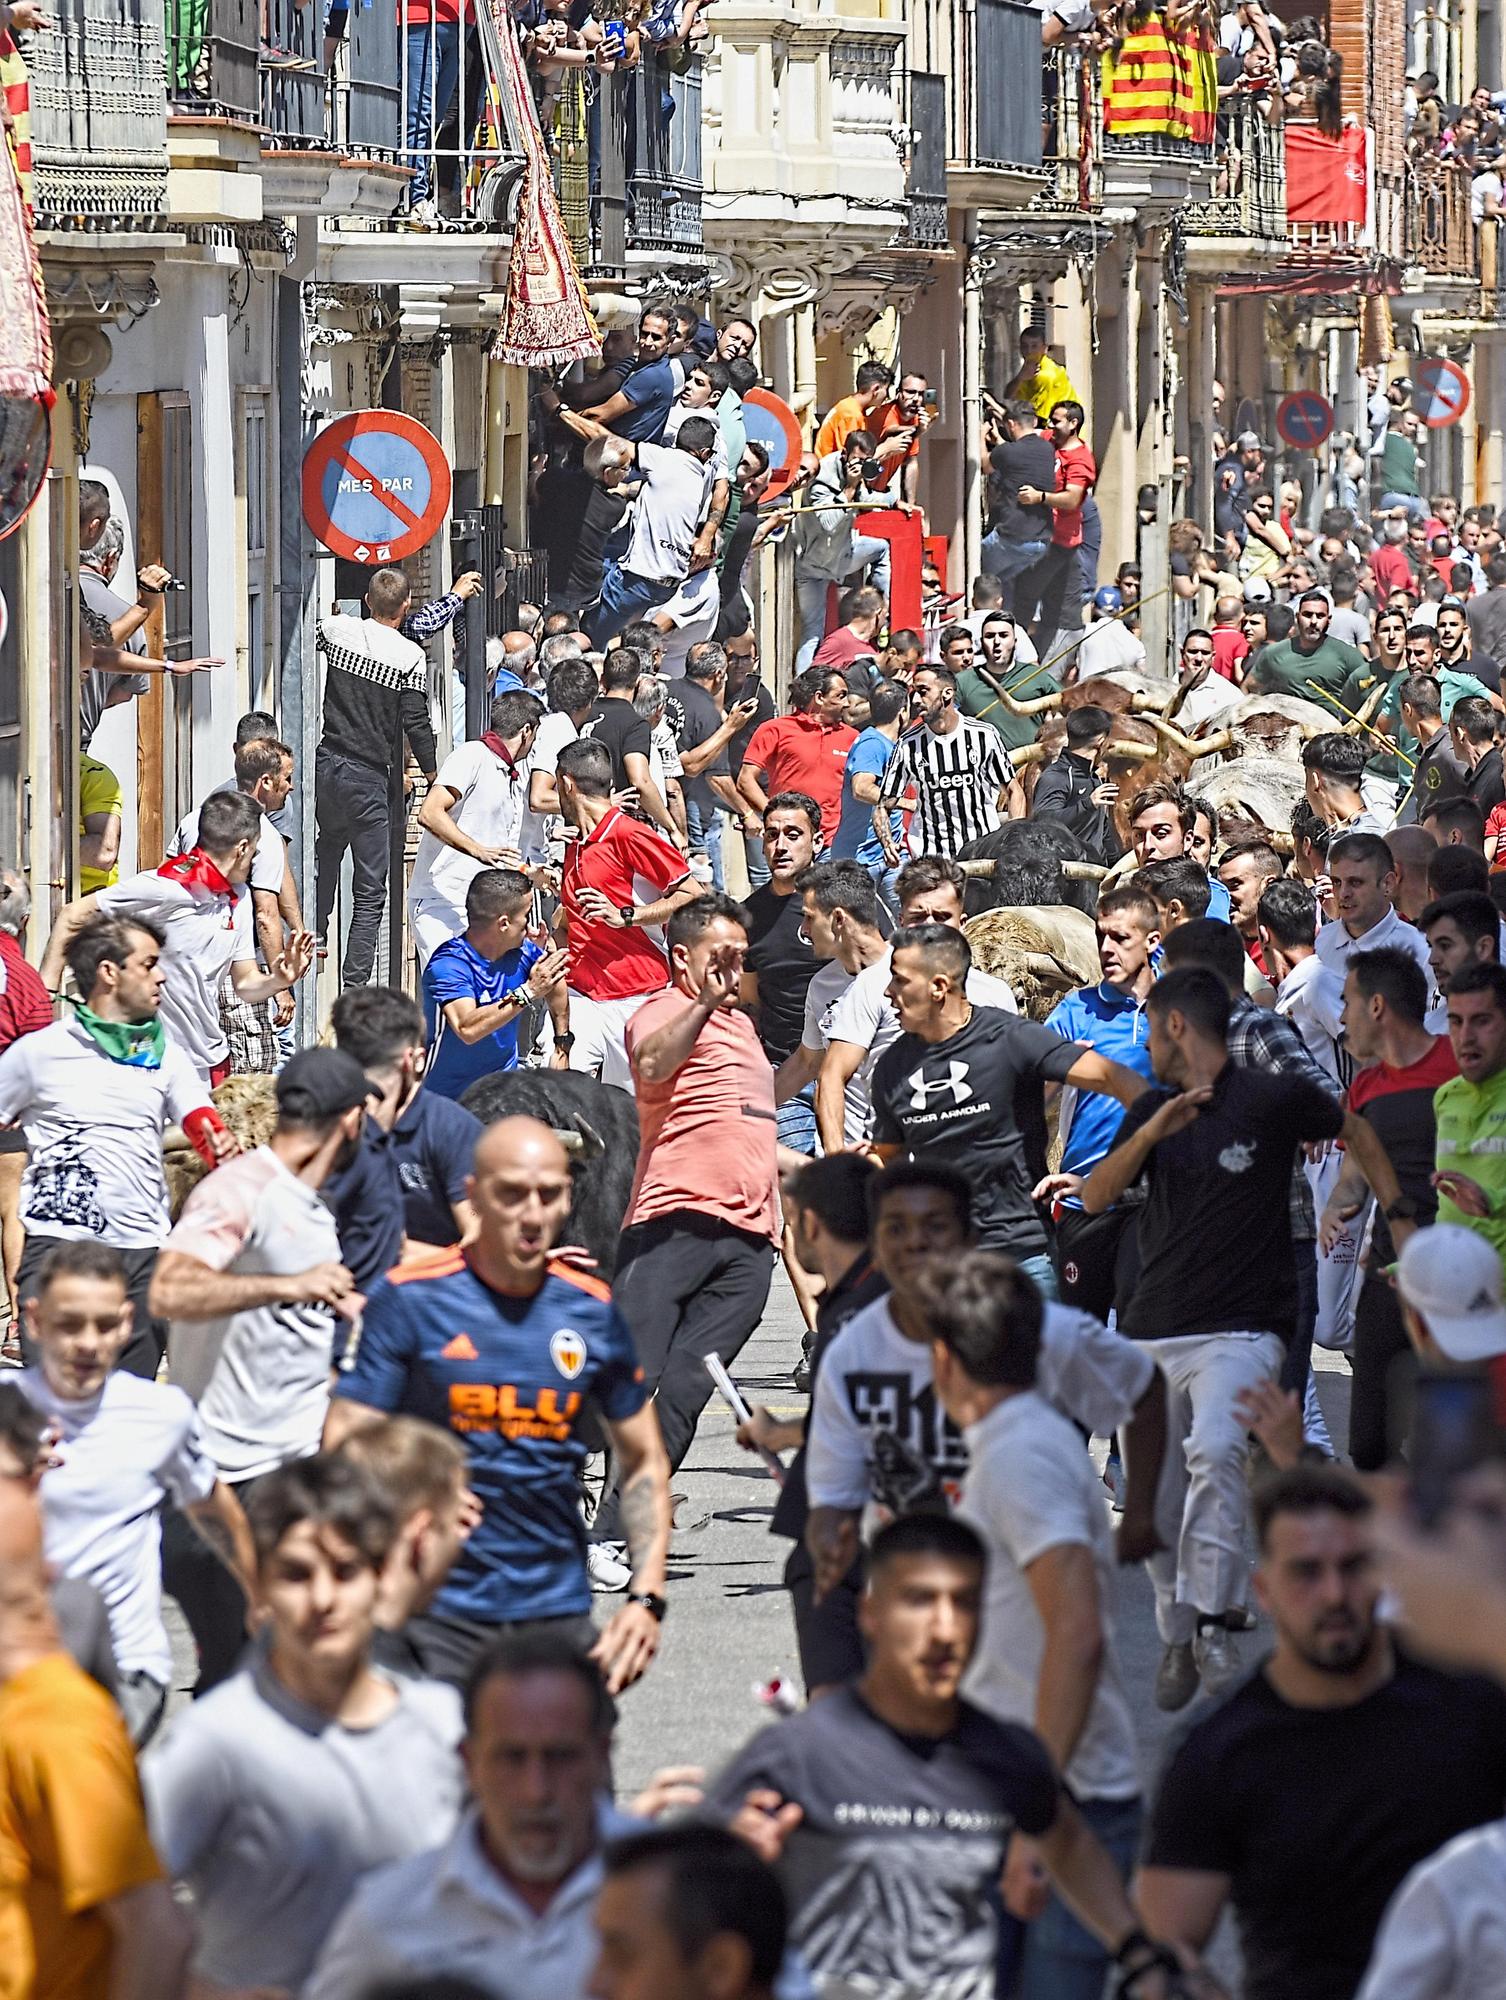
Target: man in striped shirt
x=964 y=782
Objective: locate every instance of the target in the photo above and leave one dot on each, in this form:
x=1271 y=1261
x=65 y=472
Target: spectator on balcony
x=857 y=412
x=1425 y=110
x=901 y=426
x=433 y=33
x=638 y=410
x=1017 y=535
x=1487 y=196
x=828 y=547
x=1040 y=382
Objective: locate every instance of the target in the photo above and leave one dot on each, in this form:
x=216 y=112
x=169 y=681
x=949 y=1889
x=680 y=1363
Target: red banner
x=1325 y=178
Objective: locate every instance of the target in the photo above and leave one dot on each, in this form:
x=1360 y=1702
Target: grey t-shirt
x=95 y=685
x=271 y=1814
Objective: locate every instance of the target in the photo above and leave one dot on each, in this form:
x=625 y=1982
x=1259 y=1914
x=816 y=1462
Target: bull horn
x=1036 y=707
x=985 y=870
x=1129 y=753
x=1043 y=963
x=572 y=1142
x=1151 y=704
x=1173 y=735
x=1032 y=753
x=1083 y=871
x=1211 y=746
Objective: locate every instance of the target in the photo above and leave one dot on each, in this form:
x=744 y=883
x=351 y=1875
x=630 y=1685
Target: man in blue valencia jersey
x=1096 y=1260
x=502 y=1344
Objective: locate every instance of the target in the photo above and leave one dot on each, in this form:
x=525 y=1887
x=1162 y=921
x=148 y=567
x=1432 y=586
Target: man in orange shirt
x=854 y=412
x=85 y=1911
x=899 y=427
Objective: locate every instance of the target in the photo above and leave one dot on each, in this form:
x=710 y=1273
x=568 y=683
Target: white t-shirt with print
x=1031 y=1488
x=872 y=1378
x=259 y=1377
x=489 y=807
x=270 y=867
x=540 y=833
x=865 y=1016
x=121 y=1454
x=94 y=1135
x=204 y=935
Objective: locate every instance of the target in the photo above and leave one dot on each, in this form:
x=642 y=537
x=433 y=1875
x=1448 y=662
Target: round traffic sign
x=770 y=421
x=376 y=486
x=1304 y=420
x=1440 y=392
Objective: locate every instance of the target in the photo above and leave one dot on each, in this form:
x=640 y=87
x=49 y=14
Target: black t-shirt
x=699 y=718
x=1486 y=783
x=751 y=689
x=1026 y=461
x=785 y=965
x=1317 y=1815
x=956 y=1101
x=892 y=1870
x=1398 y=1103
x=1484 y=668
x=1215 y=1234
x=622 y=729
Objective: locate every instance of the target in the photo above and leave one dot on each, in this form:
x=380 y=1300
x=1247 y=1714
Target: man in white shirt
x=506 y=1901
x=665 y=543
x=1204 y=693
x=1365 y=882
x=863 y=1022
x=846 y=925
x=1108 y=641
x=94 y=1095
x=123 y=1447
x=472 y=818
x=573 y=693
x=1046 y=1655
x=202 y=905
x=252 y=1284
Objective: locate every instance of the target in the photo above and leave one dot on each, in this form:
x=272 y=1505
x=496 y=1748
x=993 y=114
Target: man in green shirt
x=1308 y=664
x=997 y=641
x=1470 y=1109
x=1398 y=465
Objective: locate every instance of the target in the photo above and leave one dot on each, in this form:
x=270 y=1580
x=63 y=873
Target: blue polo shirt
x=651 y=389
x=1114 y=1025
x=1218 y=901
x=510 y=1377
x=457 y=971
x=855 y=838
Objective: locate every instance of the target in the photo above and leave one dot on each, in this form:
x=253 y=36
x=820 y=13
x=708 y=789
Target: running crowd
x=1079 y=1105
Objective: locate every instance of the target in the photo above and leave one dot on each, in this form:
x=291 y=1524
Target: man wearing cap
x=1450 y=1281
x=1108 y=642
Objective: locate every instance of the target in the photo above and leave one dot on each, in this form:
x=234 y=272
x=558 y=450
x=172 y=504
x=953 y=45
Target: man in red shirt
x=861 y=611
x=611 y=933
x=1388 y=562
x=899 y=428
x=697 y=1248
x=1043 y=589
x=1230 y=646
x=804 y=751
x=25 y=1006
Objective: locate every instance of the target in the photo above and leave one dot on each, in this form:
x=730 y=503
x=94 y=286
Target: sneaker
x=1217 y=1657
x=1176 y=1678
x=606 y=1565
x=424 y=215
x=1113 y=1479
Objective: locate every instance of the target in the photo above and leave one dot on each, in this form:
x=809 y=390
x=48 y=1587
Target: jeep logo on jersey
x=954 y=1085
x=568 y=1352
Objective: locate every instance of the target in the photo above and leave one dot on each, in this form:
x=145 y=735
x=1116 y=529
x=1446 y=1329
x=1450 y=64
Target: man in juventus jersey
x=964 y=784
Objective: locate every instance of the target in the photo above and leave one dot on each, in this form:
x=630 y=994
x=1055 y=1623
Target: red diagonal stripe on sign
x=398 y=508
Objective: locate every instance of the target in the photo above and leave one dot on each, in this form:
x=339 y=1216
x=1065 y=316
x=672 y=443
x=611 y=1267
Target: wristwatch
x=566 y=1042
x=651 y=1601
x=627 y=911
x=1403 y=1209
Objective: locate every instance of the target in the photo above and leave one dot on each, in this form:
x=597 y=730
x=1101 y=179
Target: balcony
x=995 y=131
x=926 y=175
x=211 y=61
x=1440 y=236
x=630 y=189
x=1248 y=205
x=99 y=129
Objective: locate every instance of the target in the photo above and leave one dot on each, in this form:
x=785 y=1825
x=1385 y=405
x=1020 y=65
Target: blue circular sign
x=376 y=486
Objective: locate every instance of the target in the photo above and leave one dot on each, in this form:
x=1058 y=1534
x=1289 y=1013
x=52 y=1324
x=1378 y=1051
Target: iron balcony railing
x=212 y=48
x=1440 y=235
x=627 y=162
x=1249 y=190
x=99 y=130
x=925 y=174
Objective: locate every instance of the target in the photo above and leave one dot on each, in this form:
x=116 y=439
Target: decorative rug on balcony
x=546 y=321
x=25 y=334
x=1161 y=84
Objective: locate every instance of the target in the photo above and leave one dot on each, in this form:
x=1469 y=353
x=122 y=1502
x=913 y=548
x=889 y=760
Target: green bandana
x=139 y=1044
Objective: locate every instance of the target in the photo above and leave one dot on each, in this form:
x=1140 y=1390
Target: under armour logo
x=954 y=1085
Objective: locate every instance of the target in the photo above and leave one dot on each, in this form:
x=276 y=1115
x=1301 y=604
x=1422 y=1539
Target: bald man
x=1412 y=848
x=503 y=1343
x=84 y=1906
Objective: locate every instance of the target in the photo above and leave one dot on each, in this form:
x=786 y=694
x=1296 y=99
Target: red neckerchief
x=500 y=751
x=195 y=870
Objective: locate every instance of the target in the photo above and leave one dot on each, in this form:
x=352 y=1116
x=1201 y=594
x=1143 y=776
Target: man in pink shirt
x=697 y=1249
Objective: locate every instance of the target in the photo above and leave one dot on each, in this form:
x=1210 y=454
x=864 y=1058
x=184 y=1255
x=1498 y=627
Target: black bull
x=601 y=1169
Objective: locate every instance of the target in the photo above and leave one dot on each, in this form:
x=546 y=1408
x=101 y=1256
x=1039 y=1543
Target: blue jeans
x=797 y=1121
x=753 y=855
x=706 y=838
x=433 y=71
x=1062 y=1961
x=624 y=598
x=1043 y=1271
x=1415 y=505
x=1005 y=560
x=810 y=592
x=884 y=879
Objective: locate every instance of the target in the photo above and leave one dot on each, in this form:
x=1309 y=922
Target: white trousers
x=599 y=1028
x=1202 y=1497
x=431 y=924
x=1341 y=1271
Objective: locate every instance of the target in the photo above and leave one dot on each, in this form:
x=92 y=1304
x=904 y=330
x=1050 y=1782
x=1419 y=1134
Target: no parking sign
x=1440 y=392
x=1304 y=420
x=376 y=486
